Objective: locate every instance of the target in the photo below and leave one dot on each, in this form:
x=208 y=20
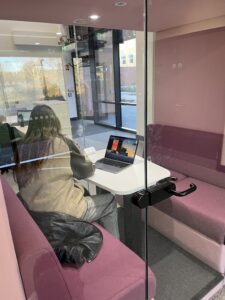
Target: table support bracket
x=162 y=190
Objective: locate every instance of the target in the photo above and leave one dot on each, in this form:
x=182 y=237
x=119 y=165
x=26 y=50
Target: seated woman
x=45 y=177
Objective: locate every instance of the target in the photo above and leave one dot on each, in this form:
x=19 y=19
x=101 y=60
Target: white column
x=140 y=79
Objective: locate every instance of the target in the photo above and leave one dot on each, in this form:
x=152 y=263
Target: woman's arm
x=81 y=166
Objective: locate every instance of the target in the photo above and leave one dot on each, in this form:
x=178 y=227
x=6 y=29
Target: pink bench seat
x=197 y=221
x=204 y=210
x=116 y=274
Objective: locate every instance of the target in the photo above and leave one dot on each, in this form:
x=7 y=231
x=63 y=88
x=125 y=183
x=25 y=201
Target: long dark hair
x=44 y=126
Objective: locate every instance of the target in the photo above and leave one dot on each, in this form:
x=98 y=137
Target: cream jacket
x=54 y=188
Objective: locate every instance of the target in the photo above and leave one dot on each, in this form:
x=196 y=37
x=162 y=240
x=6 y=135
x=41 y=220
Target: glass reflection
x=55 y=124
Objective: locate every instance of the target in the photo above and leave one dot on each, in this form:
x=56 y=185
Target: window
x=25 y=80
x=123 y=60
x=131 y=58
x=128 y=80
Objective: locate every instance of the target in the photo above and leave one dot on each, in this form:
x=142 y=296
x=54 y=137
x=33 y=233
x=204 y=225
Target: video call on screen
x=122 y=148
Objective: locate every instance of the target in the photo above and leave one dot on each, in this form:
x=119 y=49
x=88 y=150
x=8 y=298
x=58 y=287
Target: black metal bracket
x=162 y=190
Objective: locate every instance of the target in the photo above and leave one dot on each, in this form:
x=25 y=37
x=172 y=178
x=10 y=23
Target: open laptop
x=120 y=154
x=23 y=117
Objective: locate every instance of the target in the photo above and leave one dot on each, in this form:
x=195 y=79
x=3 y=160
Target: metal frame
x=91 y=44
x=146 y=138
x=116 y=128
x=116 y=36
x=94 y=89
x=117 y=82
x=78 y=104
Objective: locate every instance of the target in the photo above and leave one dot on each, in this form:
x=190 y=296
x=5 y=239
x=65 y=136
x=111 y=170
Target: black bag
x=82 y=168
x=74 y=241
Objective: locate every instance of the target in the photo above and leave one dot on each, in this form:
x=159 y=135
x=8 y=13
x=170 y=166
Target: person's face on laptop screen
x=122 y=148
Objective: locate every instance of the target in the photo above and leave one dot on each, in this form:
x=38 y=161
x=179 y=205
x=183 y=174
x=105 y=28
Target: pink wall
x=190 y=81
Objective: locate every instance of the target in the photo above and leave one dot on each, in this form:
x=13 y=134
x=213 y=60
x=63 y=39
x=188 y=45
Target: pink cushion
x=203 y=210
x=116 y=274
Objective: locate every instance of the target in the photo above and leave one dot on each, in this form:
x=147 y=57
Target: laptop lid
x=23 y=117
x=121 y=148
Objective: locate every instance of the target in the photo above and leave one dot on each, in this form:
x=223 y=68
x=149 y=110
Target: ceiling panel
x=164 y=14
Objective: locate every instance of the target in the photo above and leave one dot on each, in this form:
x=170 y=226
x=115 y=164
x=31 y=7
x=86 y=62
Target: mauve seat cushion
x=203 y=210
x=116 y=273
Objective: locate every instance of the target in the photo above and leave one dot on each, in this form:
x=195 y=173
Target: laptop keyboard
x=111 y=162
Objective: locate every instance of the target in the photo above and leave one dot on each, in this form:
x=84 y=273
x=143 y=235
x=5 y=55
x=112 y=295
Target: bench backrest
x=194 y=153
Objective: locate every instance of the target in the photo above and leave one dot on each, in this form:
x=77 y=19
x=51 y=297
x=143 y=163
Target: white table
x=23 y=129
x=126 y=183
x=129 y=180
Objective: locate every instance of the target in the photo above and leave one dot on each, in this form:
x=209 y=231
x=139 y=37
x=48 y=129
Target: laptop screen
x=121 y=148
x=23 y=117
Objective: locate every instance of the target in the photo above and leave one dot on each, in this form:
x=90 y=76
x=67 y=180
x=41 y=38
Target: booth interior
x=93 y=79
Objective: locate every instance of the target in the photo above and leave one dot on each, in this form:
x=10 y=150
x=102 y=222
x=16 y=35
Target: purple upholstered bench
x=197 y=221
x=203 y=210
x=116 y=274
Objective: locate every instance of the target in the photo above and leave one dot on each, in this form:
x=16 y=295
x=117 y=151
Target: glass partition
x=83 y=96
x=63 y=108
x=108 y=89
x=185 y=135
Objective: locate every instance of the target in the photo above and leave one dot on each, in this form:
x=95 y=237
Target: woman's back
x=52 y=186
x=46 y=164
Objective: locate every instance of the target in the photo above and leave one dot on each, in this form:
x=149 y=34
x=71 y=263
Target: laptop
x=120 y=154
x=23 y=117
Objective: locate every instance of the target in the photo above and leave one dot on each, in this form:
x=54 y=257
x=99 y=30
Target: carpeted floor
x=220 y=295
x=179 y=275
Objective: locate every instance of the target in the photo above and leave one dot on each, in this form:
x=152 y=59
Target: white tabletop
x=129 y=180
x=22 y=129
